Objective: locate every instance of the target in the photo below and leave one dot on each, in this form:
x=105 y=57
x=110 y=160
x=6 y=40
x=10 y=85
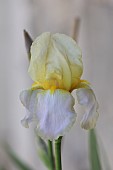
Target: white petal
x=53 y=110
x=28 y=99
x=87 y=98
x=27 y=119
x=55 y=113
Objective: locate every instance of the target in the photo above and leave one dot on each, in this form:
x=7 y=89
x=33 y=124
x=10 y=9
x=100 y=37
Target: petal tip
x=24 y=123
x=91 y=123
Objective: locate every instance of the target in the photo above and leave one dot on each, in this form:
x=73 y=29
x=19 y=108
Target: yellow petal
x=55 y=59
x=73 y=56
x=39 y=50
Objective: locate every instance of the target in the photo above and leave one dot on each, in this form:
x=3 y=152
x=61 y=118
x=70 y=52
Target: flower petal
x=27 y=119
x=28 y=99
x=53 y=110
x=55 y=57
x=87 y=98
x=55 y=113
x=39 y=50
x=72 y=54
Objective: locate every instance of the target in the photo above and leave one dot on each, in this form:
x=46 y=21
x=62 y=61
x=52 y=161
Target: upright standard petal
x=73 y=56
x=53 y=110
x=87 y=98
x=55 y=58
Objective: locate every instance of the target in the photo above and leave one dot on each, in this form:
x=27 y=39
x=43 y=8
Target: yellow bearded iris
x=56 y=68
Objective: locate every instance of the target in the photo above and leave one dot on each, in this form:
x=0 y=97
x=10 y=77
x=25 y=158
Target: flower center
x=49 y=84
x=53 y=85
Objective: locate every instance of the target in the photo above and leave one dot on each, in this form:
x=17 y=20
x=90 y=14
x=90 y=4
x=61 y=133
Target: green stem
x=51 y=156
x=58 y=162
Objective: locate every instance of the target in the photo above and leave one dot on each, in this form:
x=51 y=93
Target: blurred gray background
x=96 y=42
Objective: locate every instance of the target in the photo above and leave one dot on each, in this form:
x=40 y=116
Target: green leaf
x=42 y=144
x=2 y=168
x=17 y=161
x=42 y=151
x=95 y=162
x=43 y=156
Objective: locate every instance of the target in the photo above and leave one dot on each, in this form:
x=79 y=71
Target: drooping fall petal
x=87 y=98
x=53 y=110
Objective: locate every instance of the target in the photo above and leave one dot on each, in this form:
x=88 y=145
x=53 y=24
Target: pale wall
x=96 y=41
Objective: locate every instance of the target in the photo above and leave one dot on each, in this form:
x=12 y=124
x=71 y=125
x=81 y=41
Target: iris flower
x=56 y=69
